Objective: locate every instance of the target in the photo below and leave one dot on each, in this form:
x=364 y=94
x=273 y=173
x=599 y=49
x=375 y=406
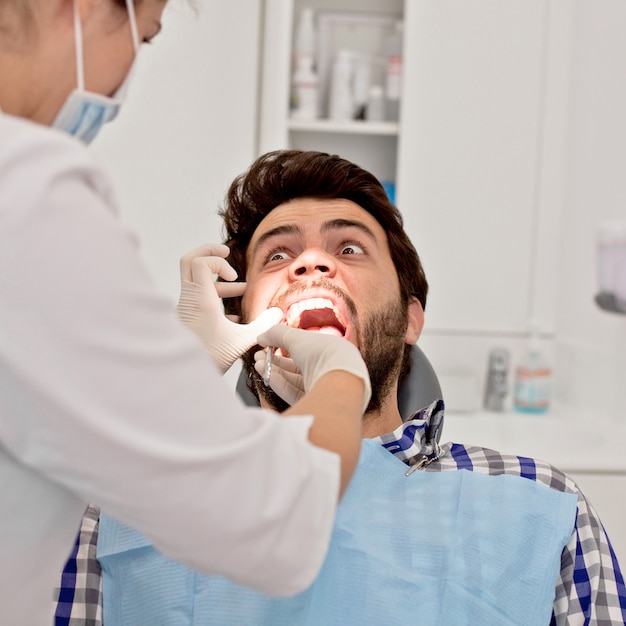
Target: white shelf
x=356 y=127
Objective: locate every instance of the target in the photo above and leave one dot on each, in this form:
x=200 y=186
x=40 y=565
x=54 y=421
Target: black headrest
x=420 y=388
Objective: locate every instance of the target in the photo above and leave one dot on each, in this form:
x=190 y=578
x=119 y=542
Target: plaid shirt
x=78 y=599
x=590 y=590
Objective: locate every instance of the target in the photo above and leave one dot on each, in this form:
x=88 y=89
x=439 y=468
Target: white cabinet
x=470 y=158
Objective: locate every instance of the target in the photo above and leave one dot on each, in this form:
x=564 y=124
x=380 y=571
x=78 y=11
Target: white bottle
x=305 y=90
x=393 y=72
x=375 y=104
x=304 y=81
x=341 y=99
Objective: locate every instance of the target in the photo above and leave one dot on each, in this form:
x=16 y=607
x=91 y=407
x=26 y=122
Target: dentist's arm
x=337 y=390
x=335 y=404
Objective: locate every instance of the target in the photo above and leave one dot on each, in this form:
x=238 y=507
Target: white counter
x=573 y=441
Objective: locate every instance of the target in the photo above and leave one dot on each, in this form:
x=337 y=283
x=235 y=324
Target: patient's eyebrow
x=285 y=229
x=345 y=223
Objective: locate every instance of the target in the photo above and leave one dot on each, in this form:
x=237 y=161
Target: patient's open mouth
x=319 y=314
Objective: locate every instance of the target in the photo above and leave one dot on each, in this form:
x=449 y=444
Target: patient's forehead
x=312 y=214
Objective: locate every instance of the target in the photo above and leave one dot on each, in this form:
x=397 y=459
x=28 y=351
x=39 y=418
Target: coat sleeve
x=112 y=398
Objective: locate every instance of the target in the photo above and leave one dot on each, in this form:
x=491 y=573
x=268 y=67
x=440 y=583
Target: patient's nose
x=313 y=261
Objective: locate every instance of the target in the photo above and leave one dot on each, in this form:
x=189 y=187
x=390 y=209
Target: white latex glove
x=316 y=354
x=200 y=305
x=285 y=378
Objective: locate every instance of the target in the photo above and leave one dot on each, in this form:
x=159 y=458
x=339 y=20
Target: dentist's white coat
x=106 y=397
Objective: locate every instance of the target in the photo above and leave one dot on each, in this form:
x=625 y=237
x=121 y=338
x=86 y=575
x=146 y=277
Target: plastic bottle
x=361 y=85
x=375 y=111
x=533 y=379
x=305 y=87
x=393 y=72
x=611 y=261
x=305 y=82
x=341 y=105
x=496 y=387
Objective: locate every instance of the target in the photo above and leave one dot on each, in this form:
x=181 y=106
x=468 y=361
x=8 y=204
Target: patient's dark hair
x=280 y=176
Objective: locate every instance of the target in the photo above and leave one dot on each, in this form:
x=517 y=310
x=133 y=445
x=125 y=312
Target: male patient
x=510 y=540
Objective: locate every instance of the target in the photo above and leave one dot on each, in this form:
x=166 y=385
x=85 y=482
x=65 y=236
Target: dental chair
x=420 y=388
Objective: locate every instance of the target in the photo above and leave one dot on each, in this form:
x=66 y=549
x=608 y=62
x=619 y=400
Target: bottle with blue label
x=533 y=379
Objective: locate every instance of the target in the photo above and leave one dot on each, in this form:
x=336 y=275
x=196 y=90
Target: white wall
x=591 y=344
x=187 y=129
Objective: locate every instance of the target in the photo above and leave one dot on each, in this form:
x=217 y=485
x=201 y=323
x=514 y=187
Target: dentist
x=105 y=396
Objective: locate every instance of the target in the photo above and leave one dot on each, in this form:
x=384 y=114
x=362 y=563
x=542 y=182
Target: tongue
x=321 y=320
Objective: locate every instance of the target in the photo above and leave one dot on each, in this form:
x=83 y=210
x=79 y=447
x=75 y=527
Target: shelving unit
x=373 y=145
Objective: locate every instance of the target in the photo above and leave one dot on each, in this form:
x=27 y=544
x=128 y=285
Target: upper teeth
x=295 y=310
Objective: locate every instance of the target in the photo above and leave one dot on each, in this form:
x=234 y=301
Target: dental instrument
x=268 y=366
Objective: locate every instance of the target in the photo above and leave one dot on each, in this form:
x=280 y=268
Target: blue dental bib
x=455 y=547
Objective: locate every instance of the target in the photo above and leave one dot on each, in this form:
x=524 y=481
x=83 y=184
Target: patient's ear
x=415 y=321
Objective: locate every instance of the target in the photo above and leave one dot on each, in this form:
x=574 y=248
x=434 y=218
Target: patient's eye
x=276 y=255
x=351 y=247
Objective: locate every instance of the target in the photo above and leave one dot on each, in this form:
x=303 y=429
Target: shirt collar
x=416 y=441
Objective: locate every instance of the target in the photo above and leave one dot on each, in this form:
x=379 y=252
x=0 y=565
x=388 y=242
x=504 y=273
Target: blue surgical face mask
x=84 y=112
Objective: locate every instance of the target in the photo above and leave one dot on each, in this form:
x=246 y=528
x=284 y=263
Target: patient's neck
x=383 y=421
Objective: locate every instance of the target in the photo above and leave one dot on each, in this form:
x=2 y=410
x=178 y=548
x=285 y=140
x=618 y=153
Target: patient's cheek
x=245 y=308
x=252 y=306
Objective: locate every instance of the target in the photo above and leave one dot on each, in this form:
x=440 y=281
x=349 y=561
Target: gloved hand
x=285 y=378
x=316 y=354
x=200 y=306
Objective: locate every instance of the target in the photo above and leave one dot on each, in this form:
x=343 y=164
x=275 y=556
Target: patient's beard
x=381 y=342
x=382 y=348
